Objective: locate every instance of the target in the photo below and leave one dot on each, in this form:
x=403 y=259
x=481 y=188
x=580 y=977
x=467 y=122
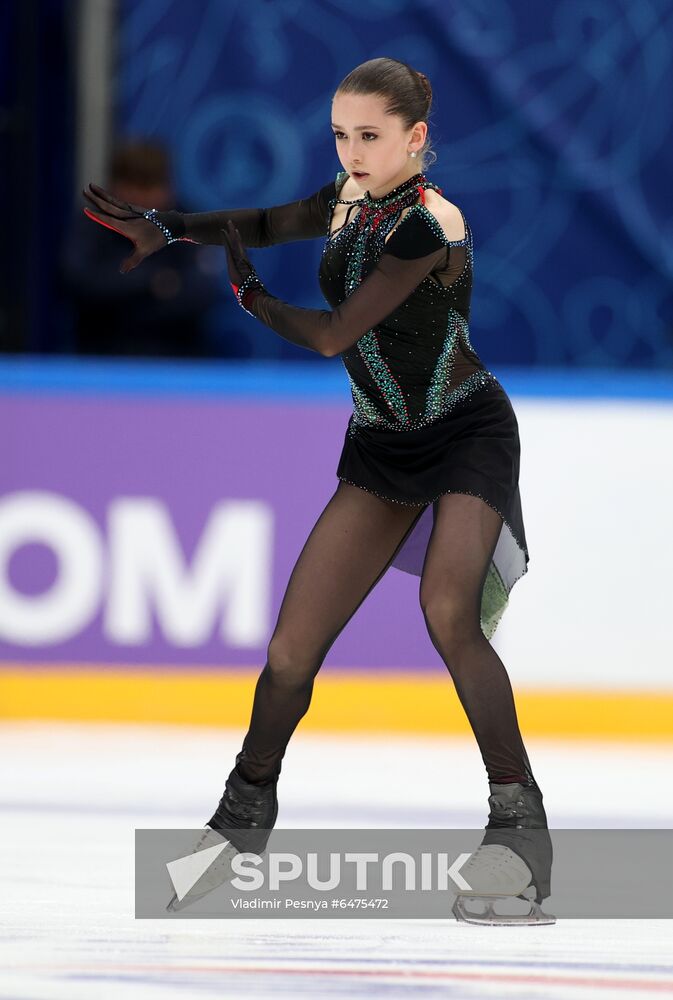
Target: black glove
x=147 y=235
x=243 y=278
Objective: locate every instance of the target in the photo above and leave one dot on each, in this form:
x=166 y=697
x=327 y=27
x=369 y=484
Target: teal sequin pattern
x=363 y=406
x=477 y=380
x=436 y=396
x=368 y=344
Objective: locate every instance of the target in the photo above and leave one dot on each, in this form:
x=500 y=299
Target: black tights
x=349 y=549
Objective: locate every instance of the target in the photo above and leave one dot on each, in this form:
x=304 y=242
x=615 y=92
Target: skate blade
x=219 y=873
x=176 y=904
x=489 y=918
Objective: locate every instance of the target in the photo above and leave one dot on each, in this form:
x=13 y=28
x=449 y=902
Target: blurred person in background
x=159 y=310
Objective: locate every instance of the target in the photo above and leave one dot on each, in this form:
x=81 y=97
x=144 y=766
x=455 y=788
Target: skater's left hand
x=240 y=266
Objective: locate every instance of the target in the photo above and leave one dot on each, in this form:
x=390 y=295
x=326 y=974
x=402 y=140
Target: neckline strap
x=398 y=192
x=419 y=181
x=375 y=210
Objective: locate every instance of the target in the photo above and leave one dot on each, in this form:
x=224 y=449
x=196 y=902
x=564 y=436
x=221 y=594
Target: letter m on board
x=226 y=584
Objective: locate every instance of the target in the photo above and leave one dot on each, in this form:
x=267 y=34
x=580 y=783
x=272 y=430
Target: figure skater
x=428 y=474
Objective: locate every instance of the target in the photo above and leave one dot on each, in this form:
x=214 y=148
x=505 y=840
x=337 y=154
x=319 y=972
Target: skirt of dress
x=475 y=449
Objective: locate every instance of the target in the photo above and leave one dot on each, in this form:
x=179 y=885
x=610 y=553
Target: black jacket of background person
x=156 y=310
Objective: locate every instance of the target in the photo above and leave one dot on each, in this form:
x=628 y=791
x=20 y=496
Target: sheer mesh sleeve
x=414 y=249
x=259 y=227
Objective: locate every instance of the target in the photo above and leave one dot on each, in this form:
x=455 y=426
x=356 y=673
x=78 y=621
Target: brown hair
x=407 y=93
x=145 y=162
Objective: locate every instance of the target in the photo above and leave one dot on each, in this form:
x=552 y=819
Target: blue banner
x=549 y=122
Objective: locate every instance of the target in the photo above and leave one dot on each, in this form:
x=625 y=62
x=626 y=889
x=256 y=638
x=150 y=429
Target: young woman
x=428 y=474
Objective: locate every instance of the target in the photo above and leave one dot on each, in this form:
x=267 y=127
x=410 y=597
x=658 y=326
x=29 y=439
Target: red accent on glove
x=106 y=224
x=181 y=239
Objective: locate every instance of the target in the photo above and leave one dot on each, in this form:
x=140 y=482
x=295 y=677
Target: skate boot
x=513 y=861
x=242 y=822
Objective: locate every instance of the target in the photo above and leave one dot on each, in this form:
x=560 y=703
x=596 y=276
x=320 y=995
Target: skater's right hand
x=126 y=219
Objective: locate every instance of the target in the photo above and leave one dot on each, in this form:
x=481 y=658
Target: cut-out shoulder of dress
x=448 y=215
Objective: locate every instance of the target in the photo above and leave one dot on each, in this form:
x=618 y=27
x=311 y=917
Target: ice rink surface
x=72 y=796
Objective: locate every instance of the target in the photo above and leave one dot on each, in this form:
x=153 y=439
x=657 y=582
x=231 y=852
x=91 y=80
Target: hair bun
x=425 y=83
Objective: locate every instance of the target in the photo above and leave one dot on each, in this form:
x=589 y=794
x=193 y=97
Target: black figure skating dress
x=428 y=417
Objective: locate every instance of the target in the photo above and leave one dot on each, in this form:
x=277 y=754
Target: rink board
x=151 y=514
x=343 y=701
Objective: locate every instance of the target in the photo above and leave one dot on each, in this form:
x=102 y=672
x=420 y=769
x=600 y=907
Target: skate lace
x=507 y=810
x=493 y=854
x=242 y=809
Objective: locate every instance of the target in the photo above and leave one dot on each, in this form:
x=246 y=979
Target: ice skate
x=512 y=862
x=243 y=822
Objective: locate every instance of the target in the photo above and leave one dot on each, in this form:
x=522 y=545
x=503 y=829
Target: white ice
x=72 y=796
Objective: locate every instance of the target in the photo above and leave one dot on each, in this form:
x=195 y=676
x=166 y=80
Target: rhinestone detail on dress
x=367 y=233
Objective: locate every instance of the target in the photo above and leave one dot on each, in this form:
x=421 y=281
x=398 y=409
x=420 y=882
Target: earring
x=413 y=154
